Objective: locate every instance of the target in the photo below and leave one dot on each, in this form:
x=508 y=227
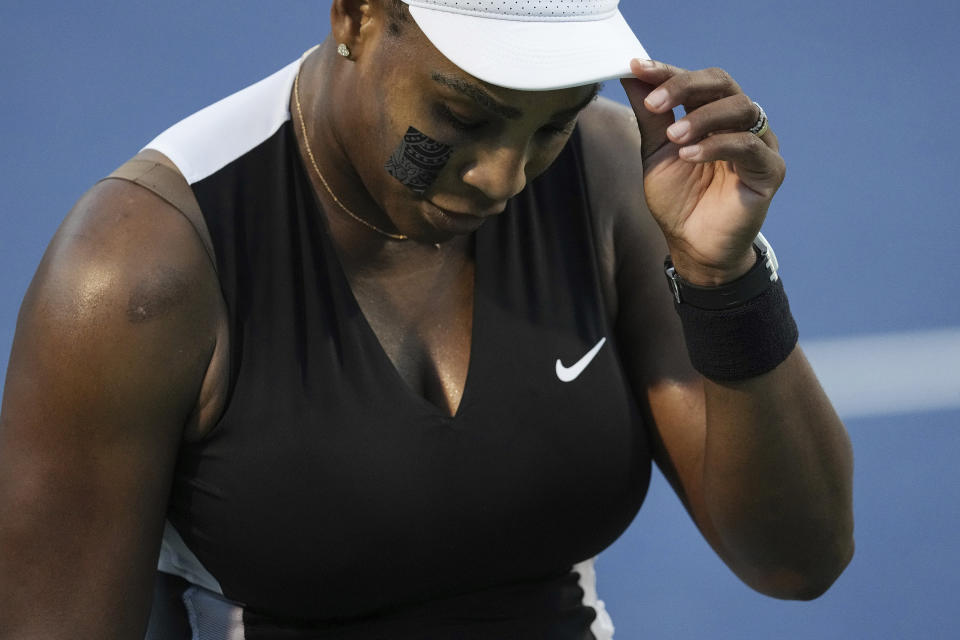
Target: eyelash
x=564 y=130
x=455 y=121
x=447 y=115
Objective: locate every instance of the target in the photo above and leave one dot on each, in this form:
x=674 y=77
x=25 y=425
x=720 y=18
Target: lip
x=452 y=221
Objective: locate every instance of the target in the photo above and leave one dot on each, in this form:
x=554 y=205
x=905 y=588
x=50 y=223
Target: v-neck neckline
x=367 y=330
x=370 y=335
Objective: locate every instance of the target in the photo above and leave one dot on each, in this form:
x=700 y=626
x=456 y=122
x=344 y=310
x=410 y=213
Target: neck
x=322 y=87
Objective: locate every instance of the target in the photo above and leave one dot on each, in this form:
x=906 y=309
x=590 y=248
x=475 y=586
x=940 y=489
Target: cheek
x=418 y=160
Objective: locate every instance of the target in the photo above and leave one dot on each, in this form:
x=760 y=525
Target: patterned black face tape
x=418 y=160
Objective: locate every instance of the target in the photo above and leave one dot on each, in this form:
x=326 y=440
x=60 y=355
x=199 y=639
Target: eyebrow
x=566 y=114
x=483 y=98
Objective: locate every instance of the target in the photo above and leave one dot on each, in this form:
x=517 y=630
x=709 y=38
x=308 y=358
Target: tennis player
x=383 y=346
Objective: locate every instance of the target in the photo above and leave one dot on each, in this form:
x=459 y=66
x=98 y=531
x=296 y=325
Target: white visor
x=529 y=44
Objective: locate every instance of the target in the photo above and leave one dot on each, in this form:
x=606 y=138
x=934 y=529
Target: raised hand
x=708 y=180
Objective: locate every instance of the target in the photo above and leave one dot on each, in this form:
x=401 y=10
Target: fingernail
x=643 y=63
x=657 y=98
x=689 y=153
x=678 y=130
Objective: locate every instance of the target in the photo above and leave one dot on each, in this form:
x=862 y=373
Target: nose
x=498 y=172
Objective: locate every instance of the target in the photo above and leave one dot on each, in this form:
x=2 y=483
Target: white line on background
x=878 y=374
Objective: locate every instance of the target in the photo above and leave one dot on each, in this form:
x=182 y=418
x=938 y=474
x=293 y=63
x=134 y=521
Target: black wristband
x=743 y=341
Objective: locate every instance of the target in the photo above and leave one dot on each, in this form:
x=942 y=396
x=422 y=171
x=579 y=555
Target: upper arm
x=649 y=334
x=112 y=346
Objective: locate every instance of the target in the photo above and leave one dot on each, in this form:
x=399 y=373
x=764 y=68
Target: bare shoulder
x=119 y=242
x=614 y=166
x=123 y=256
x=126 y=259
x=611 y=153
x=610 y=125
x=629 y=242
x=124 y=284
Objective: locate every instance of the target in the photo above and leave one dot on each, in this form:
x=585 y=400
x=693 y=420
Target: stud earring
x=343 y=50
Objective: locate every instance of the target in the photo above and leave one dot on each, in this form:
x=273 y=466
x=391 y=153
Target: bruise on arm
x=158 y=292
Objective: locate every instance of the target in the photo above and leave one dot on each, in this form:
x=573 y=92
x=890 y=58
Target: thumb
x=653 y=126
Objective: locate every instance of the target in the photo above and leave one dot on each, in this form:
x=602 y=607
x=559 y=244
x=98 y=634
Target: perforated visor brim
x=533 y=56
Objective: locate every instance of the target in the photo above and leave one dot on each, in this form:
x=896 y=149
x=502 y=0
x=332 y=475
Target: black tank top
x=331 y=501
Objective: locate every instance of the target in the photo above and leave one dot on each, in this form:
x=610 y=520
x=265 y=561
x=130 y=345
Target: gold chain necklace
x=313 y=161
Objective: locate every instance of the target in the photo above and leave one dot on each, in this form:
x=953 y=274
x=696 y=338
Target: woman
x=380 y=347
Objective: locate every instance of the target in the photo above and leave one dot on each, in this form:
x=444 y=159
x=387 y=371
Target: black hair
x=397 y=16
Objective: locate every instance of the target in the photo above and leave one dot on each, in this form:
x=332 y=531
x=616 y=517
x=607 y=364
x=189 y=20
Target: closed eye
x=560 y=128
x=458 y=122
x=465 y=124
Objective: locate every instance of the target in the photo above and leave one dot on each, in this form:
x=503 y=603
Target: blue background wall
x=864 y=97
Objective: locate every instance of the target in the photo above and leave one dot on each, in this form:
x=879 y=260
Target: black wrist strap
x=725 y=296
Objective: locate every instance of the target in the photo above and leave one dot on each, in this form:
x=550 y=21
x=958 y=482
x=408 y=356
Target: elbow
x=810 y=579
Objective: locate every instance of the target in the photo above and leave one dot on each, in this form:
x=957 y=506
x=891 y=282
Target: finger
x=654 y=72
x=692 y=89
x=758 y=166
x=771 y=140
x=653 y=126
x=733 y=113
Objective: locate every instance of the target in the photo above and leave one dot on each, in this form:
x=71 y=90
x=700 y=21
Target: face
x=499 y=138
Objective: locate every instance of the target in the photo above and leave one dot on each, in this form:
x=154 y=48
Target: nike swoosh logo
x=568 y=374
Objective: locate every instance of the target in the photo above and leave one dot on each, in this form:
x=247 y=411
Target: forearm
x=777 y=480
x=762 y=464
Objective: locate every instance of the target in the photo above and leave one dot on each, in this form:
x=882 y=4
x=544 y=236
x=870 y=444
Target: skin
x=405 y=166
x=95 y=405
